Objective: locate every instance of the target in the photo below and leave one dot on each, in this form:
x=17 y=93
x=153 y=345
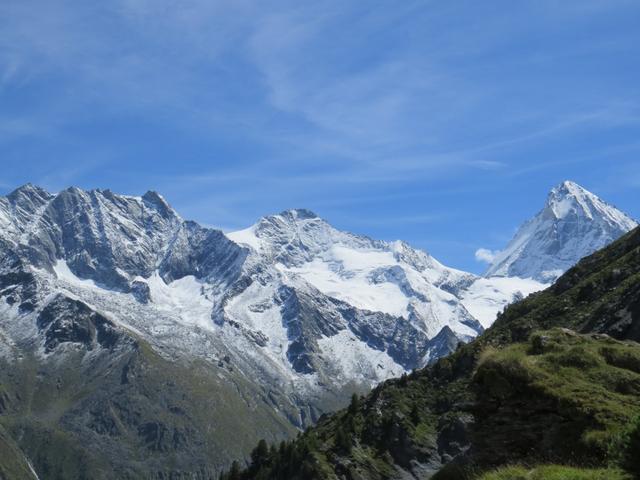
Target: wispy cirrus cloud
x=333 y=91
x=237 y=109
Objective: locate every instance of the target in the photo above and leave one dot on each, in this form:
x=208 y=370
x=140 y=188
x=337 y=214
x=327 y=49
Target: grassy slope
x=554 y=472
x=13 y=465
x=414 y=423
x=561 y=396
x=133 y=414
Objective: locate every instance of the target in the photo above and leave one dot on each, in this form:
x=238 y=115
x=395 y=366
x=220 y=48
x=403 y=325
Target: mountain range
x=136 y=343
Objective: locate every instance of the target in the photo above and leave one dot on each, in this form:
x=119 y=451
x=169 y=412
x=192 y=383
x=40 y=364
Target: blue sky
x=443 y=123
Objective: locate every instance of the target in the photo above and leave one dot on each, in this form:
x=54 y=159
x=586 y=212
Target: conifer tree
x=415 y=414
x=355 y=404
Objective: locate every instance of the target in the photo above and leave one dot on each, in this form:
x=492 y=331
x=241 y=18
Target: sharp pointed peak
x=446 y=331
x=28 y=188
x=153 y=196
x=73 y=190
x=569 y=187
x=158 y=202
x=288 y=218
x=299 y=214
x=570 y=196
x=573 y=223
x=29 y=193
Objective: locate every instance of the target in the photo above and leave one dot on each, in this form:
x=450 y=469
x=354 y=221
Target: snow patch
x=563 y=207
x=334 y=279
x=64 y=273
x=356 y=360
x=245 y=237
x=31 y=468
x=486 y=297
x=184 y=296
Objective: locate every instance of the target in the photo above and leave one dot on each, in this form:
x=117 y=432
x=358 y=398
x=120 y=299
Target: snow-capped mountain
x=573 y=224
x=182 y=340
x=370 y=275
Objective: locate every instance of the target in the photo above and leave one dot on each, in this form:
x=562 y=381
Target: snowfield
x=486 y=297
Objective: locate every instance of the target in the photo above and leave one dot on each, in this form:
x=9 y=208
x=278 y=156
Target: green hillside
x=131 y=415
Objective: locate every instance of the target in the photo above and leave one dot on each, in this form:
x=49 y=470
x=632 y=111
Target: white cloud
x=485 y=255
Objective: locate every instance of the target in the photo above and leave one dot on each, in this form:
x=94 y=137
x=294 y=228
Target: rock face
x=111 y=238
x=573 y=224
x=65 y=320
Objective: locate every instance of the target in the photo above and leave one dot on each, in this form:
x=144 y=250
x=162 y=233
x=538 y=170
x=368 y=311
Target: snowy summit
x=573 y=224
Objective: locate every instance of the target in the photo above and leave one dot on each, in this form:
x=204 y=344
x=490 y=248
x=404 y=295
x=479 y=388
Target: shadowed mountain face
x=110 y=238
x=554 y=380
